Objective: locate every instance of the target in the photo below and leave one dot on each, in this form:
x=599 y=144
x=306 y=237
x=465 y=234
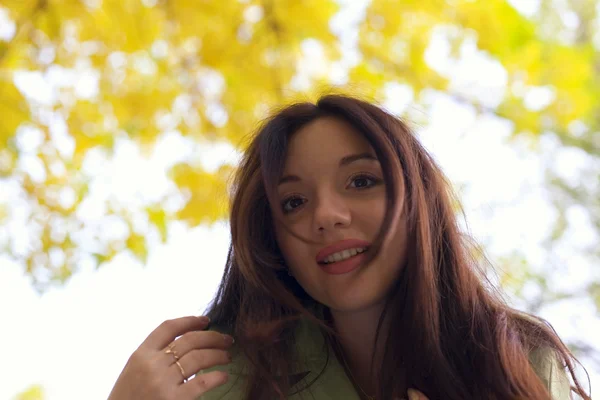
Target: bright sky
x=75 y=340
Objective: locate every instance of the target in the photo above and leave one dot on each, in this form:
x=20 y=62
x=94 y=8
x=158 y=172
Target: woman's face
x=328 y=197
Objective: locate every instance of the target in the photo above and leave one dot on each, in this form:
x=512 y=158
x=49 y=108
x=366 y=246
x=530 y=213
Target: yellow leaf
x=208 y=197
x=14 y=110
x=19 y=9
x=34 y=392
x=124 y=25
x=500 y=29
x=368 y=79
x=3 y=213
x=136 y=243
x=158 y=217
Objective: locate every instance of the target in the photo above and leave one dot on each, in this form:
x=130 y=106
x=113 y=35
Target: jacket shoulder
x=548 y=367
x=233 y=388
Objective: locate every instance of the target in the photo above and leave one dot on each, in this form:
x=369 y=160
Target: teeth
x=343 y=255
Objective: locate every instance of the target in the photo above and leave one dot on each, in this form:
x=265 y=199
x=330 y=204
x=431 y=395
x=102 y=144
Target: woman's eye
x=291 y=203
x=364 y=181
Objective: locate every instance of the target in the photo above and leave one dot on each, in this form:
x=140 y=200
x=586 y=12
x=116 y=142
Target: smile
x=344 y=255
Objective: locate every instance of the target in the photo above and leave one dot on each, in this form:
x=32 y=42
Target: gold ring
x=182 y=371
x=171 y=350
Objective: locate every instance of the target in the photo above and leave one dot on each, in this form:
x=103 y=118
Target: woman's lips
x=340 y=246
x=344 y=266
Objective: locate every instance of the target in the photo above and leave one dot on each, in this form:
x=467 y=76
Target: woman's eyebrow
x=344 y=161
x=356 y=157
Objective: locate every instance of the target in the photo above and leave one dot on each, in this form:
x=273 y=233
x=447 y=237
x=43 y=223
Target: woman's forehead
x=326 y=137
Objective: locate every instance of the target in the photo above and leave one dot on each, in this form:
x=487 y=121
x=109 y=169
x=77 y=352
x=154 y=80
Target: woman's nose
x=331 y=212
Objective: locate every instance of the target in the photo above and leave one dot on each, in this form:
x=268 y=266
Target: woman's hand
x=161 y=368
x=416 y=395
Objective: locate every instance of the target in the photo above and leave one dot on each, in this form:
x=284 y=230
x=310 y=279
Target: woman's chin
x=351 y=301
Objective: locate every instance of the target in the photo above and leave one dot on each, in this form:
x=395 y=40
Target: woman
x=348 y=278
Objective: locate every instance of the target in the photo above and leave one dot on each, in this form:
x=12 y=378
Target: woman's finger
x=194 y=362
x=416 y=395
x=198 y=340
x=197 y=360
x=201 y=340
x=166 y=332
x=202 y=383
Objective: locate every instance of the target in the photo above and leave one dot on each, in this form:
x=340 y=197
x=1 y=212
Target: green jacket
x=333 y=384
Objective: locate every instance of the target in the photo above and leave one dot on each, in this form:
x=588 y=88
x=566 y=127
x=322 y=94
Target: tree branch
x=276 y=29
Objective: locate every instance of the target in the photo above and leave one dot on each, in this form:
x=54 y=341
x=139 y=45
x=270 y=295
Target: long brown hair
x=452 y=335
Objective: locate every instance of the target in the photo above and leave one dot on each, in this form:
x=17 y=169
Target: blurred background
x=122 y=120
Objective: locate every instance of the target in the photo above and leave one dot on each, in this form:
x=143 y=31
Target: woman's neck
x=356 y=332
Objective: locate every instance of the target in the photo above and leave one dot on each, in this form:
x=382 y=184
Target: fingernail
x=412 y=395
x=229 y=339
x=204 y=319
